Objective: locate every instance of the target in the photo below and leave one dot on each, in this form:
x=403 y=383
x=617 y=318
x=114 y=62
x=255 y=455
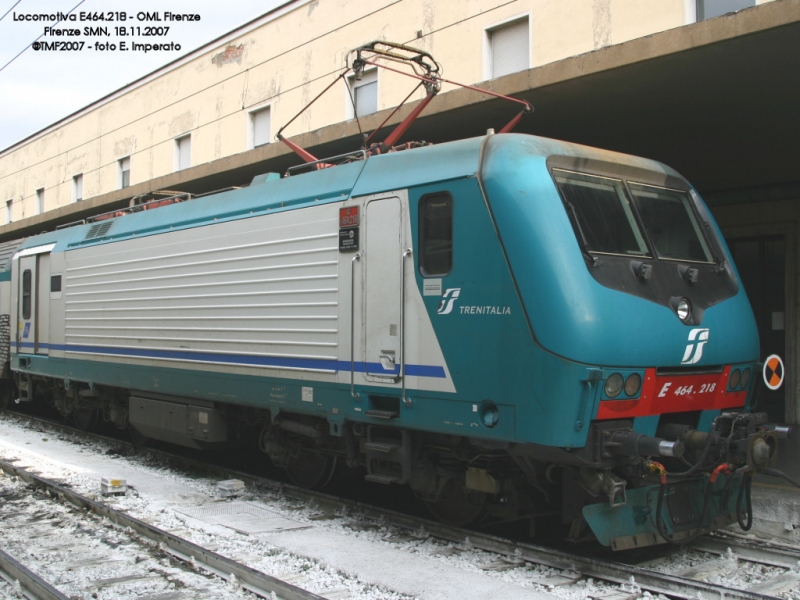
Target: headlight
x=632 y=384
x=614 y=385
x=736 y=376
x=684 y=310
x=745 y=378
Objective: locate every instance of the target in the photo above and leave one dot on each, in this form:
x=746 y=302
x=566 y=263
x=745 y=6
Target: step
x=383 y=414
x=385 y=479
x=386 y=447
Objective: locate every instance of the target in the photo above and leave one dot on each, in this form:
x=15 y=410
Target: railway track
x=703 y=571
x=18 y=580
x=75 y=542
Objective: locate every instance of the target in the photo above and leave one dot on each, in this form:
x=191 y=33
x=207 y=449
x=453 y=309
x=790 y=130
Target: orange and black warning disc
x=773 y=372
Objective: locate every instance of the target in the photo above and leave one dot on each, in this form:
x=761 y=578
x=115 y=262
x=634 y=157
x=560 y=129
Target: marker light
x=632 y=384
x=614 y=385
x=684 y=310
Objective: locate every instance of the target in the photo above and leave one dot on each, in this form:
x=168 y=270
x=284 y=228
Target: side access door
x=33 y=314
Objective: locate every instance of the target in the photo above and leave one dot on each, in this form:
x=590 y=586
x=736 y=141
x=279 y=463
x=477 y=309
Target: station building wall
x=235 y=92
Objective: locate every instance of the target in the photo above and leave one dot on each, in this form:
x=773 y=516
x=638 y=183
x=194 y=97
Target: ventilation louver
x=98 y=230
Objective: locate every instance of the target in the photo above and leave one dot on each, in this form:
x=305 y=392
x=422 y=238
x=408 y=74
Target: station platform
x=776 y=502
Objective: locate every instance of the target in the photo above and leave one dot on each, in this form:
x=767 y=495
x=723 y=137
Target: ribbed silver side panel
x=255 y=288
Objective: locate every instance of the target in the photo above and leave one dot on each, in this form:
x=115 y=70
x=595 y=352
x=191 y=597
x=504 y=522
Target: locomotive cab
x=637 y=287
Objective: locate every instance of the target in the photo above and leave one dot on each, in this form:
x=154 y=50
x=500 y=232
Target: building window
x=77 y=188
x=259 y=127
x=40 y=201
x=436 y=234
x=9 y=214
x=508 y=48
x=708 y=9
x=183 y=152
x=124 y=169
x=362 y=98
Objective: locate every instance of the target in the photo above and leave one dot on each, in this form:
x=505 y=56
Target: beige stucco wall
x=284 y=61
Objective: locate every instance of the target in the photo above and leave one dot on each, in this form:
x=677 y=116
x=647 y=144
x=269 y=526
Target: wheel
x=458 y=506
x=84 y=418
x=311 y=470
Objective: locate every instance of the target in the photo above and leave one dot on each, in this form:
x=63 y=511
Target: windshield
x=611 y=216
x=670 y=223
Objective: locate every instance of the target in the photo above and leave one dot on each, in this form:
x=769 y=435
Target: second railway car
x=505 y=324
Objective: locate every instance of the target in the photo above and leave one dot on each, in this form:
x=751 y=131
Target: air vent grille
x=98 y=230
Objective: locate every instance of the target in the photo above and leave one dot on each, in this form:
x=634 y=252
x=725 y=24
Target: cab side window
x=27 y=293
x=436 y=234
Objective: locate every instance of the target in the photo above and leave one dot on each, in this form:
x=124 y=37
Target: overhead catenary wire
x=21 y=52
x=10 y=9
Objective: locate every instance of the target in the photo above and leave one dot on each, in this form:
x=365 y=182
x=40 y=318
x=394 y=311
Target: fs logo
x=448 y=299
x=694 y=349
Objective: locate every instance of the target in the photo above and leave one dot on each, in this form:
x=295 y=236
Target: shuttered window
x=184 y=152
x=124 y=166
x=40 y=200
x=77 y=188
x=365 y=94
x=708 y=9
x=261 y=124
x=510 y=48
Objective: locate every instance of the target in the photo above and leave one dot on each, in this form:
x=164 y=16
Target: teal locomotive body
x=506 y=324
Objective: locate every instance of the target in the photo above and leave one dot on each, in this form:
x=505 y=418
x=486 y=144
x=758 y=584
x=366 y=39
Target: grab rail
x=406 y=254
x=353 y=327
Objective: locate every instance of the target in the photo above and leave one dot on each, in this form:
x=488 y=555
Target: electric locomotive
x=507 y=324
x=502 y=323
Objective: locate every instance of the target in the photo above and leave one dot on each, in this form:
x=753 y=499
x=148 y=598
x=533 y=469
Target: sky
x=37 y=88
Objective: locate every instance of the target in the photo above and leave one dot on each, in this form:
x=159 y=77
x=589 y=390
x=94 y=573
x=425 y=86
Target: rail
x=28 y=580
x=259 y=583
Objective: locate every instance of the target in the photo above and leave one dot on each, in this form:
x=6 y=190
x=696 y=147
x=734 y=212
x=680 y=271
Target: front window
x=670 y=223
x=601 y=213
x=611 y=216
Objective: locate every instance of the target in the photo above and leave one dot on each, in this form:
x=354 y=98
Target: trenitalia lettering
x=485 y=310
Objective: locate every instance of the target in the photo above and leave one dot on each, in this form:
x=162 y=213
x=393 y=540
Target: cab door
x=383 y=302
x=33 y=316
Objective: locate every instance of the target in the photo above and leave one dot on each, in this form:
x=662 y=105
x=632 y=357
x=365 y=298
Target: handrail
x=406 y=253
x=353 y=327
x=327 y=162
